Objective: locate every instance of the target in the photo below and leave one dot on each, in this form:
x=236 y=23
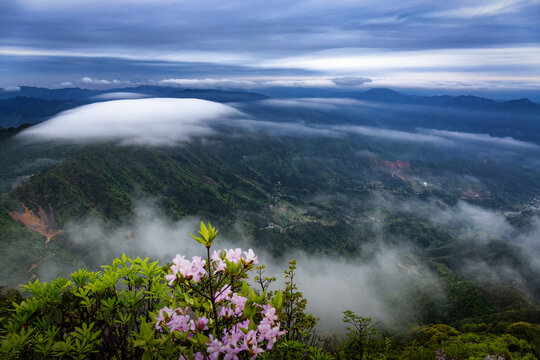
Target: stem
x=212 y=293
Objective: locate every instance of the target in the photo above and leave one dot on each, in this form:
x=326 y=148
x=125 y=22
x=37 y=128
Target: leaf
x=203 y=339
x=245 y=289
x=277 y=301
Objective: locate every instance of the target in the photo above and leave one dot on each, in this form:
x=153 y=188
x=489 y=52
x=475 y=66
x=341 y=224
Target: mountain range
x=336 y=179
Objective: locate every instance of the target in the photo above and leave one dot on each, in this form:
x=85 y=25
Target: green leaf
x=277 y=301
x=245 y=289
x=203 y=339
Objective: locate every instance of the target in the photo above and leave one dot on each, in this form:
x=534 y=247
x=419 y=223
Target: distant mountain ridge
x=384 y=95
x=469 y=102
x=32 y=105
x=76 y=93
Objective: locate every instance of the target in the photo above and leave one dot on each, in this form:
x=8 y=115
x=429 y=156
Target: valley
x=447 y=220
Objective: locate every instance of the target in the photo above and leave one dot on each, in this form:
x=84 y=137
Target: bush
x=198 y=309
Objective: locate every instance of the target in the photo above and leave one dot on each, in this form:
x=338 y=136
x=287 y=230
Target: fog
x=369 y=286
x=481 y=233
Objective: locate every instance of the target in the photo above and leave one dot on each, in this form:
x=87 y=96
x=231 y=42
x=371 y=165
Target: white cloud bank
x=118 y=95
x=155 y=121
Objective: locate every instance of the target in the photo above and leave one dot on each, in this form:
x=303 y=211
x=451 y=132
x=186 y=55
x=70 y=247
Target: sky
x=477 y=47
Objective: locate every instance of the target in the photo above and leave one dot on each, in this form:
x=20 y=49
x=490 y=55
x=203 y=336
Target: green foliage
x=208 y=234
x=470 y=346
x=135 y=309
x=296 y=322
x=362 y=340
x=90 y=313
x=529 y=332
x=434 y=334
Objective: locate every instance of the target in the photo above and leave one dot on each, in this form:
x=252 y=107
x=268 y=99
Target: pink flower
x=214 y=347
x=250 y=257
x=218 y=262
x=180 y=265
x=170 y=278
x=161 y=318
x=216 y=255
x=199 y=325
x=269 y=312
x=239 y=303
x=197 y=270
x=255 y=351
x=234 y=256
x=179 y=322
x=224 y=293
x=244 y=324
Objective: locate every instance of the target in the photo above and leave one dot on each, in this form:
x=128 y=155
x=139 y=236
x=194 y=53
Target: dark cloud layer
x=179 y=39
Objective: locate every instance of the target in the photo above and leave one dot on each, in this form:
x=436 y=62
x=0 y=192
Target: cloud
x=314 y=103
x=119 y=95
x=252 y=83
x=362 y=60
x=351 y=81
x=483 y=138
x=13 y=88
x=366 y=285
x=210 y=83
x=339 y=39
x=66 y=84
x=314 y=82
x=89 y=80
x=285 y=128
x=156 y=121
x=369 y=286
x=395 y=135
x=496 y=8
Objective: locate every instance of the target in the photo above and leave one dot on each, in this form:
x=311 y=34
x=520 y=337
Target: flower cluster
x=185 y=269
x=440 y=355
x=220 y=258
x=181 y=321
x=247 y=322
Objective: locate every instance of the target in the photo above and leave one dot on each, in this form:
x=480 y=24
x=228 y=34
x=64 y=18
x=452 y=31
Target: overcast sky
x=463 y=46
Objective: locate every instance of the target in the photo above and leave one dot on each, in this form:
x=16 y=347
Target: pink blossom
x=216 y=255
x=214 y=347
x=224 y=293
x=239 y=303
x=218 y=262
x=244 y=324
x=234 y=256
x=161 y=318
x=250 y=257
x=255 y=351
x=179 y=322
x=269 y=312
x=181 y=265
x=197 y=270
x=199 y=324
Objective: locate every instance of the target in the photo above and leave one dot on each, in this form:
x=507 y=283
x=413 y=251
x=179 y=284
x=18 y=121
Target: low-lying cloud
x=155 y=121
x=119 y=95
x=332 y=285
x=350 y=81
x=497 y=251
x=482 y=138
x=93 y=81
